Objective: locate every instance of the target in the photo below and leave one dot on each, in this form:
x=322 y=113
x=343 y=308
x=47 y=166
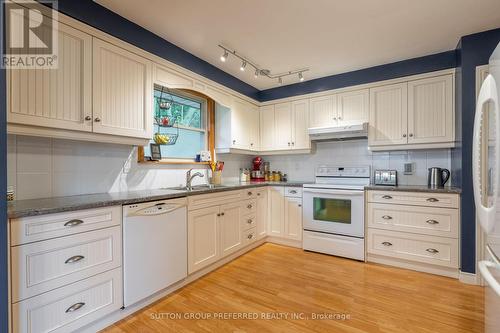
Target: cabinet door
x=267 y=130
x=122 y=92
x=230 y=228
x=300 y=125
x=253 y=125
x=239 y=126
x=58 y=98
x=388 y=115
x=262 y=212
x=276 y=225
x=283 y=125
x=293 y=218
x=203 y=238
x=430 y=110
x=323 y=111
x=353 y=107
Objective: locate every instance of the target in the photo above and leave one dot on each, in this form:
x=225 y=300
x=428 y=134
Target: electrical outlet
x=408 y=168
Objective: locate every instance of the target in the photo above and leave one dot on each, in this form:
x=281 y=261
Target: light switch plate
x=408 y=168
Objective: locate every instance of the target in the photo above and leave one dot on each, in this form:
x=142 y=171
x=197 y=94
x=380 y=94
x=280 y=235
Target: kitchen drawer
x=295 y=192
x=415 y=219
x=43 y=266
x=249 y=236
x=249 y=193
x=36 y=228
x=439 y=251
x=415 y=198
x=248 y=207
x=213 y=199
x=71 y=307
x=248 y=222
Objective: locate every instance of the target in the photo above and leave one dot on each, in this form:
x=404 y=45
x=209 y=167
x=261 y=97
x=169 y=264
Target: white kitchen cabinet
x=323 y=111
x=430 y=110
x=203 y=238
x=56 y=98
x=293 y=218
x=230 y=228
x=283 y=126
x=267 y=129
x=300 y=125
x=253 y=126
x=262 y=213
x=276 y=225
x=353 y=107
x=388 y=115
x=122 y=92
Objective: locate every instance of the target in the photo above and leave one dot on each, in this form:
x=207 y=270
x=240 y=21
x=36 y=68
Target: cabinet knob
x=249 y=193
x=258 y=194
x=218 y=214
x=288 y=144
x=386 y=243
x=411 y=135
x=222 y=214
x=251 y=144
x=249 y=221
x=334 y=118
x=340 y=118
x=249 y=206
x=88 y=118
x=250 y=236
x=293 y=143
x=234 y=142
x=97 y=120
x=404 y=135
x=299 y=205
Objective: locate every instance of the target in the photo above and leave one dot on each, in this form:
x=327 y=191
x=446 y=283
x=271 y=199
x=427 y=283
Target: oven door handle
x=334 y=192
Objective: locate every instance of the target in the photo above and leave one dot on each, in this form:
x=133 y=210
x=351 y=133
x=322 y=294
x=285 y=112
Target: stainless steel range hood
x=346 y=132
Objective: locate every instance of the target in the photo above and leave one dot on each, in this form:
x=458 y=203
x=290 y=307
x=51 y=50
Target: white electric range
x=334 y=211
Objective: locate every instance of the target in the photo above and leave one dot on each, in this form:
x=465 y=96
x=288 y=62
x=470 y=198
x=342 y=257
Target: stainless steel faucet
x=190 y=177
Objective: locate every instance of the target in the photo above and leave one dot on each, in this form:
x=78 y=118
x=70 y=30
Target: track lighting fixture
x=258 y=70
x=223 y=57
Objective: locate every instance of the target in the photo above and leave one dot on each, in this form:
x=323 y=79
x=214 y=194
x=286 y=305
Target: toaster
x=386 y=177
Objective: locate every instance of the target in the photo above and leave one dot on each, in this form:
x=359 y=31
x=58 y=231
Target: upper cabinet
x=430 y=110
x=323 y=111
x=353 y=107
x=283 y=125
x=300 y=124
x=267 y=130
x=57 y=98
x=388 y=115
x=122 y=92
x=413 y=115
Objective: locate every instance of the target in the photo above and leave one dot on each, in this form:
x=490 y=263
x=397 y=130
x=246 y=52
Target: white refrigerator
x=486 y=180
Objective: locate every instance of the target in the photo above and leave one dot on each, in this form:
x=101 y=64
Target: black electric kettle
x=437 y=177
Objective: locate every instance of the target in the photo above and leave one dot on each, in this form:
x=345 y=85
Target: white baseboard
x=469 y=278
x=415 y=266
x=284 y=241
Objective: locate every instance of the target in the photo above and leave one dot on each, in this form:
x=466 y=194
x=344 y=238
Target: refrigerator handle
x=488 y=93
x=484 y=268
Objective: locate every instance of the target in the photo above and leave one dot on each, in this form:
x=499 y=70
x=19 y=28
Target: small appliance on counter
x=386 y=177
x=437 y=177
x=257 y=174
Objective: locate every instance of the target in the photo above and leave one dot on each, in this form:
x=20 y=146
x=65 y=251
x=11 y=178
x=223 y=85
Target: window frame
x=208 y=125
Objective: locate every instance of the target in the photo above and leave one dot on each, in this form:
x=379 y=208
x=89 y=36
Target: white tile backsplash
x=40 y=167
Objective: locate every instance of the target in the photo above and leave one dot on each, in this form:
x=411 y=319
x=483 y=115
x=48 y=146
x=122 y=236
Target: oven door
x=334 y=211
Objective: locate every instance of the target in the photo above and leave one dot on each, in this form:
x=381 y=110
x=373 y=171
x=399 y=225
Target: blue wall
x=3 y=189
x=474 y=50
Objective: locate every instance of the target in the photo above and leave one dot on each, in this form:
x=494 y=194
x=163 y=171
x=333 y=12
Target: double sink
x=196 y=187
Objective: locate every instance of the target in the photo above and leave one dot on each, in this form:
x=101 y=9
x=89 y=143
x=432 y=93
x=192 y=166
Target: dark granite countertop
x=33 y=207
x=415 y=188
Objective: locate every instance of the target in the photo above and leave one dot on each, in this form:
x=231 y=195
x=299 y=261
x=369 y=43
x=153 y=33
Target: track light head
x=256 y=74
x=243 y=65
x=223 y=57
x=280 y=80
x=301 y=77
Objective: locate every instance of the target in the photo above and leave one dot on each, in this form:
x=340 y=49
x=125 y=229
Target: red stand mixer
x=257 y=174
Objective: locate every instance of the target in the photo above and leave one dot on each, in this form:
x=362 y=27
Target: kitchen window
x=184 y=125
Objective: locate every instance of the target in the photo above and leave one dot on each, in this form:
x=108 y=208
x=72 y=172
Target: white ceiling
x=327 y=36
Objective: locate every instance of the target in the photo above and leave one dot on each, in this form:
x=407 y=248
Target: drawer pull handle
x=432 y=222
x=433 y=200
x=249 y=206
x=249 y=221
x=75 y=307
x=386 y=243
x=73 y=223
x=293 y=192
x=74 y=259
x=386 y=197
x=387 y=217
x=250 y=236
x=431 y=250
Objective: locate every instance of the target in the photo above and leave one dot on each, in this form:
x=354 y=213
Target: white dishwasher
x=154 y=247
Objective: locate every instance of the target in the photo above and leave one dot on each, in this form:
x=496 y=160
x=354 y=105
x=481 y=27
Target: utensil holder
x=216 y=178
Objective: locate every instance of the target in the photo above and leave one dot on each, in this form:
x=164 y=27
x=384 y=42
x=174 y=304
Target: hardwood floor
x=274 y=279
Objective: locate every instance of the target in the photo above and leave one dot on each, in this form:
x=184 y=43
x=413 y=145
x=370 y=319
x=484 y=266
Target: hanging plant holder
x=165 y=122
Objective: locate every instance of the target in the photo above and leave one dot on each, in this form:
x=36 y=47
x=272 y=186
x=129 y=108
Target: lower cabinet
x=230 y=228
x=262 y=214
x=285 y=213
